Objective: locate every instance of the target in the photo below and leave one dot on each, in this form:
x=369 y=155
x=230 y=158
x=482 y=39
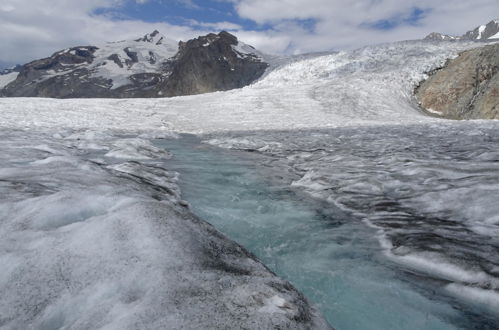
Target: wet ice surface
x=93 y=236
x=412 y=228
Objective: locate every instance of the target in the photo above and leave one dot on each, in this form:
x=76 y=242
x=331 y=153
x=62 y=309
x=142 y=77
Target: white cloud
x=36 y=28
x=217 y=26
x=33 y=29
x=343 y=24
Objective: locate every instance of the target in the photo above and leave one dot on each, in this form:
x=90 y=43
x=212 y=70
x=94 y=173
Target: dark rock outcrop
x=41 y=78
x=466 y=88
x=152 y=66
x=212 y=63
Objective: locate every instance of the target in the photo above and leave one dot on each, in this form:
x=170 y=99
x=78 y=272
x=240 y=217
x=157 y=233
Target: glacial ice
x=93 y=241
x=325 y=251
x=429 y=191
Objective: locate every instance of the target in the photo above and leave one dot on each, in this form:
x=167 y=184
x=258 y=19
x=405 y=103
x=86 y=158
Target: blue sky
x=181 y=13
x=33 y=29
x=175 y=12
x=209 y=11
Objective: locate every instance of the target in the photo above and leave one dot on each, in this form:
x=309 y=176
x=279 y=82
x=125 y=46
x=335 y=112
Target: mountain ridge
x=489 y=31
x=150 y=66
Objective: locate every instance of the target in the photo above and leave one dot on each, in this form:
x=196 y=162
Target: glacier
x=427 y=191
x=330 y=252
x=95 y=233
x=370 y=86
x=92 y=236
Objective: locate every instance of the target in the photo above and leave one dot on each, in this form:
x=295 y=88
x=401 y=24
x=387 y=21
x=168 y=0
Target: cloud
x=36 y=28
x=340 y=24
x=33 y=29
x=217 y=26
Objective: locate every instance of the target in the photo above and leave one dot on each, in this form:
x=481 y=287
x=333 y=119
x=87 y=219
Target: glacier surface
x=93 y=233
x=370 y=86
x=428 y=190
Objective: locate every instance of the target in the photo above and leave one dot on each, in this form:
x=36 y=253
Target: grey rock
x=483 y=32
x=465 y=88
x=210 y=63
x=435 y=36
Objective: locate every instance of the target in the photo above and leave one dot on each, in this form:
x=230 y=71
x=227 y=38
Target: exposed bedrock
x=465 y=88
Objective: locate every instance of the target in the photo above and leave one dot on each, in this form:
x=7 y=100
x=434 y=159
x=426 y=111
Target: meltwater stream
x=336 y=261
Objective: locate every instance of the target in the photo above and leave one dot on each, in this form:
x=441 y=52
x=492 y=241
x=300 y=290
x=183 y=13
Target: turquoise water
x=331 y=256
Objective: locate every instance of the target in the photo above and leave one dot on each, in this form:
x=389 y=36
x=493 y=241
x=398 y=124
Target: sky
x=32 y=29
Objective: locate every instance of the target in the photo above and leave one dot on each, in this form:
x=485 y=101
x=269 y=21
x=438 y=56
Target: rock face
x=213 y=62
x=152 y=66
x=489 y=31
x=483 y=32
x=466 y=88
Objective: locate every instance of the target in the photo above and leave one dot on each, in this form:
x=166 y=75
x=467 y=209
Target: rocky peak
x=229 y=38
x=435 y=36
x=222 y=38
x=484 y=32
x=490 y=31
x=62 y=59
x=154 y=37
x=213 y=62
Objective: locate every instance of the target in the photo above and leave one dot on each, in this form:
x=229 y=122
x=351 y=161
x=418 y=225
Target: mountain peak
x=488 y=31
x=154 y=37
x=438 y=37
x=484 y=32
x=151 y=66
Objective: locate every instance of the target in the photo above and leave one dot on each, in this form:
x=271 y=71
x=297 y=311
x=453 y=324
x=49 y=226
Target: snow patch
x=6 y=79
x=150 y=53
x=244 y=51
x=434 y=111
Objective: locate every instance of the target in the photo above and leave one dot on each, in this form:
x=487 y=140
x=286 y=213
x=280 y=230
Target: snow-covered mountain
x=439 y=36
x=488 y=31
x=151 y=66
x=484 y=32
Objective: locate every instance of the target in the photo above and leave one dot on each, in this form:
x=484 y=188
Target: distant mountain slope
x=488 y=31
x=466 y=88
x=151 y=66
x=484 y=32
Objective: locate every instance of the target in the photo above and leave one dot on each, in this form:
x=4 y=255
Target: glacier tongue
x=372 y=85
